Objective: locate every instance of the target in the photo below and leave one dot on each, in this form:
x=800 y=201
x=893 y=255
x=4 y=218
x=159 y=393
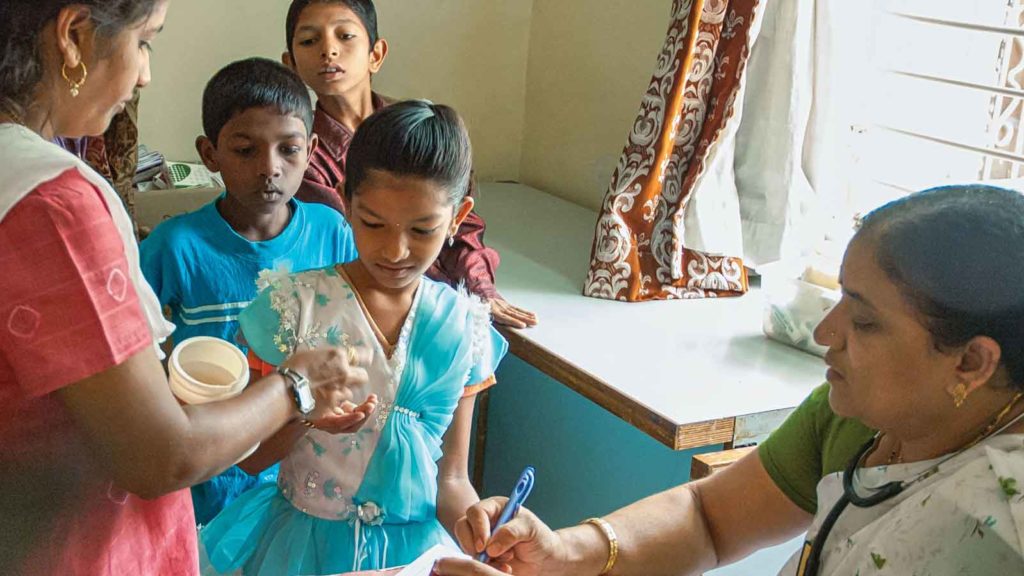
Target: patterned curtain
x=122 y=146
x=639 y=252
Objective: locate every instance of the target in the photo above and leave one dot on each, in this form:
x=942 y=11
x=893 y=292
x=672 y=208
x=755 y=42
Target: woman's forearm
x=264 y=407
x=664 y=534
x=697 y=526
x=660 y=535
x=150 y=444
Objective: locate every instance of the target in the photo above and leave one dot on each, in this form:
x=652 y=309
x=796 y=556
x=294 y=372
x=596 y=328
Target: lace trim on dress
x=397 y=360
x=480 y=313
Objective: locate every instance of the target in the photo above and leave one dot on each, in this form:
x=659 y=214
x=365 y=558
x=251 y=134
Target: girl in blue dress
x=380 y=496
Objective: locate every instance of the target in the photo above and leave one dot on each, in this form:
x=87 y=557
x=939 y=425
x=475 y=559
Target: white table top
x=694 y=365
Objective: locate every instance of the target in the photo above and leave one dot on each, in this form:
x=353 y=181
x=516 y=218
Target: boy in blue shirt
x=257 y=119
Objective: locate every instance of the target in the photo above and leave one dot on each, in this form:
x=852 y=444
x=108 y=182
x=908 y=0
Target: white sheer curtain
x=814 y=146
x=771 y=178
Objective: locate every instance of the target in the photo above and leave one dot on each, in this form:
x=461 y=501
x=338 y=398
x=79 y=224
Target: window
x=935 y=97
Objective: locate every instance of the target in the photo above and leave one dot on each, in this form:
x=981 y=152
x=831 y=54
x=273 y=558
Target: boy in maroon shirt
x=334 y=47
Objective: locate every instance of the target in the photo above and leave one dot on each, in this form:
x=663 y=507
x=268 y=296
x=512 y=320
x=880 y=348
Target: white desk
x=688 y=373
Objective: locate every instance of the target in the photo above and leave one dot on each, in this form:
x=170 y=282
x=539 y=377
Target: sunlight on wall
x=471 y=55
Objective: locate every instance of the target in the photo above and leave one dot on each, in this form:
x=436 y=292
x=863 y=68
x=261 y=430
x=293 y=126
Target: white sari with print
x=966 y=519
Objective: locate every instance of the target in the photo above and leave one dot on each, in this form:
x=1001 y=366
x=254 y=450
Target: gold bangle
x=308 y=424
x=613 y=542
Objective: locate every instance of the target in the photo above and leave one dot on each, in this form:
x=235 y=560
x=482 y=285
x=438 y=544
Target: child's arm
x=273 y=449
x=455 y=493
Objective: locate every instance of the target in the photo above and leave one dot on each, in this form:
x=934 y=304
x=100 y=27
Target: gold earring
x=959 y=394
x=75 y=85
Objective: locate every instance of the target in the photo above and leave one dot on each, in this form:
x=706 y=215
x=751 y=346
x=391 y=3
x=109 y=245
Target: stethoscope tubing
x=880 y=494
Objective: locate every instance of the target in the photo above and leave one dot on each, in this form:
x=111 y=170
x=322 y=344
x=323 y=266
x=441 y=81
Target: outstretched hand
x=508 y=315
x=347 y=418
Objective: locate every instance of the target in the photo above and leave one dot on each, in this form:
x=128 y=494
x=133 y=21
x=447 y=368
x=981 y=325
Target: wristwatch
x=300 y=389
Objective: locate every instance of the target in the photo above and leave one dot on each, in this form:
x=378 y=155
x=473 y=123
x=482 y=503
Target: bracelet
x=613 y=542
x=308 y=424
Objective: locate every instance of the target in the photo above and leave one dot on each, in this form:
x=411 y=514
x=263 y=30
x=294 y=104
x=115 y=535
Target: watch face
x=305 y=397
x=300 y=389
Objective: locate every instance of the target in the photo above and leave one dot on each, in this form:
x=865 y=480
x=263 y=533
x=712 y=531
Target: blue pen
x=516 y=500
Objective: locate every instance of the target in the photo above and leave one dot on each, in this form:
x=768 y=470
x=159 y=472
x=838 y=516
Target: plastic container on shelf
x=793 y=308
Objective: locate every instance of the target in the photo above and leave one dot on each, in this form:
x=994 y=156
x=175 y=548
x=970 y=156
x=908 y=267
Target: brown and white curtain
x=639 y=250
x=698 y=193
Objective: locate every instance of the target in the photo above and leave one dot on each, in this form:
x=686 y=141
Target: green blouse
x=812 y=443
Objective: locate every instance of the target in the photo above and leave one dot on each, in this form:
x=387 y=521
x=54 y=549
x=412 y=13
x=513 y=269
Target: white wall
x=549 y=88
x=590 y=62
x=470 y=54
x=466 y=53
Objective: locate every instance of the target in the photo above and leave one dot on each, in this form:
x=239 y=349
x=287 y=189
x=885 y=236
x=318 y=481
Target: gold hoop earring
x=959 y=394
x=75 y=85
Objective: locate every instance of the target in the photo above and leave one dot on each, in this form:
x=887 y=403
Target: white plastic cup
x=206 y=369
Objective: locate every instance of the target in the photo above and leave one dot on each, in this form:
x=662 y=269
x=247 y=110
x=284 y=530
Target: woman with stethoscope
x=909 y=461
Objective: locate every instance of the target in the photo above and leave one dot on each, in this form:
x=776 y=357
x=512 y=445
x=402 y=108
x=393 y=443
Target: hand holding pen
x=520 y=492
x=524 y=546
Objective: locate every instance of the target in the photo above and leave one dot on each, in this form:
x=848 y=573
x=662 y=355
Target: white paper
x=423 y=565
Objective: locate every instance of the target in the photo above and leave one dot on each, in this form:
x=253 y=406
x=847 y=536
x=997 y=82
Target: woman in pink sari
x=95 y=452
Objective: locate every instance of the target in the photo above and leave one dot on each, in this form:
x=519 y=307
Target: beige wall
x=549 y=88
x=466 y=53
x=589 y=64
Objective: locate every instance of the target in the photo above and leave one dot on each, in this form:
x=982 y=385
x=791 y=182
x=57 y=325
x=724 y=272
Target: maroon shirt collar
x=334 y=136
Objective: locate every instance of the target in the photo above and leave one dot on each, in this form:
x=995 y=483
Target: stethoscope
x=879 y=494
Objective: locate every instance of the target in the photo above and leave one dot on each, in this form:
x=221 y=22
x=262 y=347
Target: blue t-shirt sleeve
x=330 y=232
x=259 y=323
x=157 y=261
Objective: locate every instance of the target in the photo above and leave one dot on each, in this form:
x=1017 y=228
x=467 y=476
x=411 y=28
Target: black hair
x=412 y=138
x=253 y=83
x=957 y=255
x=364 y=10
x=21 y=26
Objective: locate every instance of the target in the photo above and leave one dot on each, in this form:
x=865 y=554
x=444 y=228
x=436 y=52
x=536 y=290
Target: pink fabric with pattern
x=69 y=311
